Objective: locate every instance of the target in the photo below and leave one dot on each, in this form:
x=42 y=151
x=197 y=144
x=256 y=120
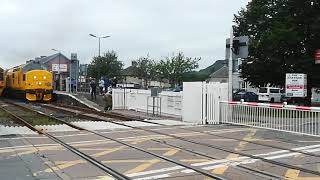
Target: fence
x=297 y=119
x=138 y=99
x=201 y=101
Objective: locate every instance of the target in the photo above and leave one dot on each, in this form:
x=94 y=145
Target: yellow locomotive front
x=38 y=85
x=30 y=81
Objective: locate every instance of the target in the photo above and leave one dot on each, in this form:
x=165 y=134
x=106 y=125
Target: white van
x=269 y=94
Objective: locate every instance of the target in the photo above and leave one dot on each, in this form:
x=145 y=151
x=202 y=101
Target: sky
x=158 y=28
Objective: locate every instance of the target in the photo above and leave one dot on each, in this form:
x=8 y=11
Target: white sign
x=63 y=68
x=296 y=85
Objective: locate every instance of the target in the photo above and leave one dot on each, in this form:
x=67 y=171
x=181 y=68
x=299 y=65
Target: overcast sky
x=30 y=28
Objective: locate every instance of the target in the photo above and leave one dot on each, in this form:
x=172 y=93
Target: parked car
x=246 y=96
x=270 y=94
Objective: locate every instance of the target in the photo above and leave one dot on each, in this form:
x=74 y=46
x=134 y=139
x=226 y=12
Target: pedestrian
x=73 y=85
x=114 y=82
x=101 y=85
x=106 y=85
x=93 y=89
x=108 y=101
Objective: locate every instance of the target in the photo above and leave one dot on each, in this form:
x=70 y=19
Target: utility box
x=155 y=92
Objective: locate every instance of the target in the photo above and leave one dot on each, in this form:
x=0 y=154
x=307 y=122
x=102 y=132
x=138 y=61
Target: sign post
x=296 y=85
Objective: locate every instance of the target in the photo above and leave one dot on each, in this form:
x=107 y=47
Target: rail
x=280 y=117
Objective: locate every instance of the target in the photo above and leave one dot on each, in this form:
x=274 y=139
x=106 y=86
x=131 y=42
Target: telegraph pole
x=230 y=64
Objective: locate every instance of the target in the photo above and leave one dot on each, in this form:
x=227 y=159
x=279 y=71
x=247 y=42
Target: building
x=130 y=78
x=62 y=68
x=222 y=76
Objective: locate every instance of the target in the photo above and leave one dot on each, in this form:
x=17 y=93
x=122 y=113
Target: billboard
x=296 y=85
x=63 y=68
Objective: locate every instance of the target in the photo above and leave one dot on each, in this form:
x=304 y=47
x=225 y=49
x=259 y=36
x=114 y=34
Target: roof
x=221 y=73
x=49 y=58
x=129 y=71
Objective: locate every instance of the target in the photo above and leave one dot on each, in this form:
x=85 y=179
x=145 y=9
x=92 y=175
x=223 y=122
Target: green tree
x=146 y=69
x=107 y=65
x=284 y=35
x=173 y=68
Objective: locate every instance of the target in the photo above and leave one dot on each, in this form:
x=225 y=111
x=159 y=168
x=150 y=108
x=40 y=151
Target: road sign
x=296 y=85
x=317 y=56
x=62 y=68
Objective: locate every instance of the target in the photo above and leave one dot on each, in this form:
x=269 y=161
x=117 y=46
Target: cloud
x=158 y=27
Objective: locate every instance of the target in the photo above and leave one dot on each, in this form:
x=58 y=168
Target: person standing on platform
x=114 y=82
x=93 y=89
x=101 y=85
x=106 y=85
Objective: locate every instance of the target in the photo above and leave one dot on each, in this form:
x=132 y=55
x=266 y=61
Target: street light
x=99 y=38
x=59 y=78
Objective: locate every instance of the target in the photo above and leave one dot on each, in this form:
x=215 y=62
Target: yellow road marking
x=194 y=160
x=221 y=170
x=75 y=162
x=105 y=178
x=241 y=145
x=126 y=161
x=292 y=174
x=170 y=151
x=143 y=166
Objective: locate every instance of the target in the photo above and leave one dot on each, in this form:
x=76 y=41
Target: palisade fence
x=281 y=117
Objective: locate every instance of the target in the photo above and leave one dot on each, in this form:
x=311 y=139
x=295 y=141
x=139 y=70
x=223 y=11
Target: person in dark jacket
x=93 y=89
x=114 y=82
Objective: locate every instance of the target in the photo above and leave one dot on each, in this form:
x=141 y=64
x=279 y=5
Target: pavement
x=37 y=157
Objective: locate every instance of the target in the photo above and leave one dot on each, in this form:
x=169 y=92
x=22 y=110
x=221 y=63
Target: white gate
x=201 y=101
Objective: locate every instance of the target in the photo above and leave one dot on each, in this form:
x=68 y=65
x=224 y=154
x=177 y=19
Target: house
x=61 y=67
x=222 y=76
x=129 y=77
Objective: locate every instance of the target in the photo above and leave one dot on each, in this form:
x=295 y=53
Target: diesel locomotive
x=31 y=81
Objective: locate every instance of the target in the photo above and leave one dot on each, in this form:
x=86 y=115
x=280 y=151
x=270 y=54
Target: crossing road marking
x=143 y=166
x=80 y=161
x=241 y=145
x=169 y=151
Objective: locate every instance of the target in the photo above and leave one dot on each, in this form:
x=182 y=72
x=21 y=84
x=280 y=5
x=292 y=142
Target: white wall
x=198 y=103
x=137 y=99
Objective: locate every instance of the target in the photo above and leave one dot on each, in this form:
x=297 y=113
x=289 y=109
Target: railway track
x=85 y=115
x=92 y=160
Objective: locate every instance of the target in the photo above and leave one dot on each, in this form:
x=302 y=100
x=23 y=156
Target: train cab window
x=24 y=77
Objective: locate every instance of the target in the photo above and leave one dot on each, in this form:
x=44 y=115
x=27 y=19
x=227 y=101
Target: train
x=2 y=81
x=31 y=81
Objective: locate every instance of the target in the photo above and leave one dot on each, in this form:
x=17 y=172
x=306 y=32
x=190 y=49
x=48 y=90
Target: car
x=246 y=96
x=270 y=94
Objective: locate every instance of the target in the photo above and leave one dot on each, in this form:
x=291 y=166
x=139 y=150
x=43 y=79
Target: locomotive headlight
x=44 y=77
x=34 y=77
x=40 y=83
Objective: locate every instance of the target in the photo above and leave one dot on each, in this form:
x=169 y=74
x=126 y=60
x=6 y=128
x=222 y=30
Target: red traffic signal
x=317 y=56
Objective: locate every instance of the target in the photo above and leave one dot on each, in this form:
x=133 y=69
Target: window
x=263 y=90
x=24 y=77
x=274 y=90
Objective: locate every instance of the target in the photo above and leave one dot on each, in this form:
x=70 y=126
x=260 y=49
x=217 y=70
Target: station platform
x=85 y=100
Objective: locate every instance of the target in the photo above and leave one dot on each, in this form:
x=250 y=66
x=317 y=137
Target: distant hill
x=203 y=74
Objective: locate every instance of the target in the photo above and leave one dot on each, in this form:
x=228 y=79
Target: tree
x=146 y=69
x=107 y=65
x=173 y=68
x=284 y=35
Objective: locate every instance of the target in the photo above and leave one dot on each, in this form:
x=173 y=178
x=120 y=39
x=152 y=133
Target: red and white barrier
x=274 y=105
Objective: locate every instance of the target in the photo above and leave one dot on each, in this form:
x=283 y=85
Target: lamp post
x=99 y=38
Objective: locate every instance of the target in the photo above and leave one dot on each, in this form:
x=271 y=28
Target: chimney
x=134 y=63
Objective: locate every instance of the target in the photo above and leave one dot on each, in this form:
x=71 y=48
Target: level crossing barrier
x=281 y=117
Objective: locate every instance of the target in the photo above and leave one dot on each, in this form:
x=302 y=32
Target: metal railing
x=281 y=117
